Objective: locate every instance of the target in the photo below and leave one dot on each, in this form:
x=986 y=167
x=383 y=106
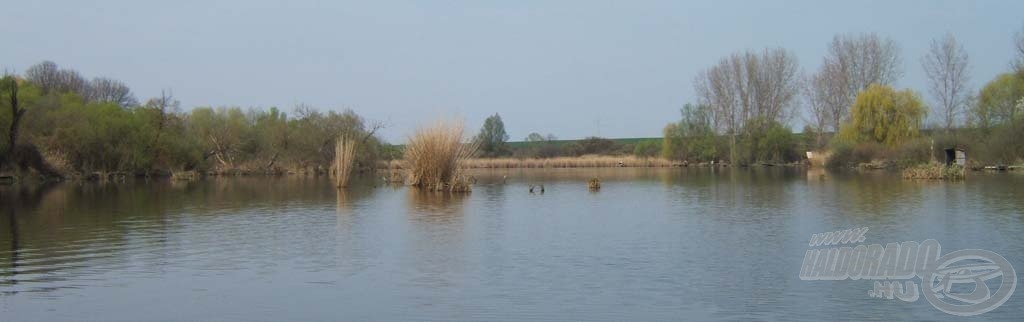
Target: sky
x=568 y=68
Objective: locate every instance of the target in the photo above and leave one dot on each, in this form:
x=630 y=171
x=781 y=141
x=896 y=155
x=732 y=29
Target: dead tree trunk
x=11 y=89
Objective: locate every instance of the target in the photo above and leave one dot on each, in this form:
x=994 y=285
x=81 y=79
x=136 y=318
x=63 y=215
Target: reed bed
x=344 y=160
x=434 y=158
x=934 y=171
x=588 y=161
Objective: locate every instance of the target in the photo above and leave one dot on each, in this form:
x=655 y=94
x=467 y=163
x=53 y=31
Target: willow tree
x=884 y=115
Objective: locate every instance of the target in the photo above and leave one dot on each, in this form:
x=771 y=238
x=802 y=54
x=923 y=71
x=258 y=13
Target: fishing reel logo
x=972 y=269
x=959 y=283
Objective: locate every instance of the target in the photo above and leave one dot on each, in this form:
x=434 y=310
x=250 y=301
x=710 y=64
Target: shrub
x=867 y=152
x=842 y=156
x=911 y=153
x=593 y=145
x=1004 y=144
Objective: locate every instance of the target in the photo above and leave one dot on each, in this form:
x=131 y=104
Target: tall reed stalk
x=344 y=160
x=434 y=156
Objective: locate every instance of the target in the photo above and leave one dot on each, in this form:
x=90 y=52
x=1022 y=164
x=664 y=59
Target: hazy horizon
x=572 y=69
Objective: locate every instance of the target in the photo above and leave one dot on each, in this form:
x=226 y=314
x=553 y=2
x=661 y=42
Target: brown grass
x=344 y=160
x=587 y=161
x=434 y=157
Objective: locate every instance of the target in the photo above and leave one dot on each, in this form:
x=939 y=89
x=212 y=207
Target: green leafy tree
x=672 y=142
x=693 y=137
x=157 y=113
x=778 y=143
x=271 y=128
x=767 y=140
x=884 y=115
x=997 y=101
x=492 y=137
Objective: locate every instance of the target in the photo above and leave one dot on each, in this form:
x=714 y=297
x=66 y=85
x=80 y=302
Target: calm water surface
x=653 y=244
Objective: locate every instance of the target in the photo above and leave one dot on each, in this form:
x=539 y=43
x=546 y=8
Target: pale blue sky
x=560 y=67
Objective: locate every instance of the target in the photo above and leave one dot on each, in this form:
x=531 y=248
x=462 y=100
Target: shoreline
x=393 y=166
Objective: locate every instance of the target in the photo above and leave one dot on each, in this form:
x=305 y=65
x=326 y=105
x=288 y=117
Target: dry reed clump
x=934 y=171
x=433 y=158
x=344 y=160
x=594 y=184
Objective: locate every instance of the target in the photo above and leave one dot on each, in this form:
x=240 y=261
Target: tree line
x=58 y=124
x=492 y=142
x=745 y=102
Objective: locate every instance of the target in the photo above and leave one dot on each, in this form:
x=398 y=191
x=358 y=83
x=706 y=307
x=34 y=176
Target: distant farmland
x=561 y=143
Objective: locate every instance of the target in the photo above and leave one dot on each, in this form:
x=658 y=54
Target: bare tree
x=748 y=91
x=818 y=104
x=853 y=63
x=103 y=89
x=830 y=85
x=866 y=59
x=50 y=78
x=1018 y=41
x=9 y=88
x=70 y=81
x=946 y=66
x=714 y=88
x=780 y=83
x=46 y=75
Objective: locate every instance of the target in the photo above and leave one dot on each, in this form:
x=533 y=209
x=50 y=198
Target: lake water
x=651 y=245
